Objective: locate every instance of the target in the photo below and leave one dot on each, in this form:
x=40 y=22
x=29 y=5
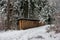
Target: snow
x=38 y=33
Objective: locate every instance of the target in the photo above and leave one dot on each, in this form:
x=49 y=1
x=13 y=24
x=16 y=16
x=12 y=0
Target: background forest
x=12 y=10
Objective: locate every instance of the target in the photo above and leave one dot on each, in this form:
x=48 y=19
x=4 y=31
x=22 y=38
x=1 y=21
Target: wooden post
x=20 y=24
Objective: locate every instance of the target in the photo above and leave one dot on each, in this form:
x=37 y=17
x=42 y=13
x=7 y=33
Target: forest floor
x=38 y=33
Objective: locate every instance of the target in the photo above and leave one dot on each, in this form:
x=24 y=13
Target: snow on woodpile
x=38 y=33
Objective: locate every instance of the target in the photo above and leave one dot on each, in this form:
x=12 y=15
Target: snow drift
x=38 y=33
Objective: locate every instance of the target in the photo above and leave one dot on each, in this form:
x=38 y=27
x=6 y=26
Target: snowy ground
x=38 y=33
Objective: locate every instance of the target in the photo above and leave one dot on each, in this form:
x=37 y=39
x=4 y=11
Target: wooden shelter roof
x=28 y=19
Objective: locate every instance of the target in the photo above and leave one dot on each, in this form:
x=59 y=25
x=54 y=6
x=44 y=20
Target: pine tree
x=48 y=12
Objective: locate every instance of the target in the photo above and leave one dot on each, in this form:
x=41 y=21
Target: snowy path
x=38 y=33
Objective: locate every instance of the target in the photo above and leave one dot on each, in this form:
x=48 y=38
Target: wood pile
x=28 y=23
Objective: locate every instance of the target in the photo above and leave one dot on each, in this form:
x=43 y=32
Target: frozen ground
x=38 y=33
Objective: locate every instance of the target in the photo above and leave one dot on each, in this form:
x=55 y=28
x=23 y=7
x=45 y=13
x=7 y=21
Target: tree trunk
x=25 y=12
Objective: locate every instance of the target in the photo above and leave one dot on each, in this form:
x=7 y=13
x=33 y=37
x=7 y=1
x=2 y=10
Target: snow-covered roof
x=28 y=19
